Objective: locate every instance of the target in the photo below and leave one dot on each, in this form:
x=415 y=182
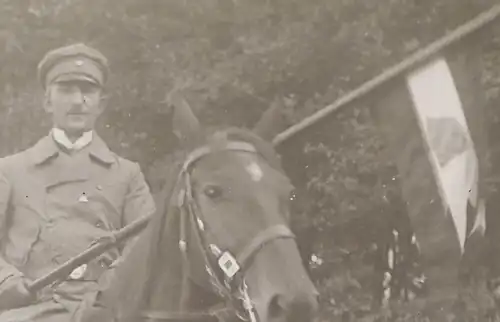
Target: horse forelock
x=264 y=148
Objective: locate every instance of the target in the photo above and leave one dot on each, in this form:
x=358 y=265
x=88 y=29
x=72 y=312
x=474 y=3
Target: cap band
x=75 y=68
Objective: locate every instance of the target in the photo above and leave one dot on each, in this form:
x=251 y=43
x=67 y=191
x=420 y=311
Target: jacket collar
x=47 y=148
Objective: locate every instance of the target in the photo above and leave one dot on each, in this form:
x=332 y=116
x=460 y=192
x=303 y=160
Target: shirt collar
x=61 y=138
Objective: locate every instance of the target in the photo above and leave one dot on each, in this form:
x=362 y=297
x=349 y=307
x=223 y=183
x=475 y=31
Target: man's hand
x=14 y=293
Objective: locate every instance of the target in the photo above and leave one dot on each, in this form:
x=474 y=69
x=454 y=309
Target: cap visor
x=75 y=78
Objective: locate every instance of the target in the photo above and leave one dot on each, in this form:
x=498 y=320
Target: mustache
x=77 y=112
x=78 y=109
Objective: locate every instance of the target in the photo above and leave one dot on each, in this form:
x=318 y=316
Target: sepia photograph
x=250 y=161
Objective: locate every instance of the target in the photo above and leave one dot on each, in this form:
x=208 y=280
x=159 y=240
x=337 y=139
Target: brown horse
x=219 y=246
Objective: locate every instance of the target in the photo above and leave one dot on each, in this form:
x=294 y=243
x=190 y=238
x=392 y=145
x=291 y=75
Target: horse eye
x=213 y=192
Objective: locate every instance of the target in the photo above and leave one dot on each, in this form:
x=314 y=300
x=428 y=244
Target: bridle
x=226 y=273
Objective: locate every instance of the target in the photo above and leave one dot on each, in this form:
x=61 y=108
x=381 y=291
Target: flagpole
x=460 y=32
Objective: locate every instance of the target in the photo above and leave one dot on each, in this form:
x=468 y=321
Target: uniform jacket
x=53 y=205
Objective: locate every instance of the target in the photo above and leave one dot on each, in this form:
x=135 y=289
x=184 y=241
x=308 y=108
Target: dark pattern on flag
x=447 y=138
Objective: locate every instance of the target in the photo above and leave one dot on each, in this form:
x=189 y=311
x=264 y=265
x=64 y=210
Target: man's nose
x=78 y=97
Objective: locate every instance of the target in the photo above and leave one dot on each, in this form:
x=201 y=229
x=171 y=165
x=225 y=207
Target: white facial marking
x=255 y=171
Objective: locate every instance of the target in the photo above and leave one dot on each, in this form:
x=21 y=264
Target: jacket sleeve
x=138 y=202
x=7 y=271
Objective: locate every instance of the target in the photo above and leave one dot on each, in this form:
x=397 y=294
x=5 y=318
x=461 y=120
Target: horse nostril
x=277 y=307
x=293 y=308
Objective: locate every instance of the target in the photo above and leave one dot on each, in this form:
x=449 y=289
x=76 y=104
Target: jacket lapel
x=57 y=169
x=62 y=172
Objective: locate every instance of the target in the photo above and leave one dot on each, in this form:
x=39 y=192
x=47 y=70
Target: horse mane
x=132 y=279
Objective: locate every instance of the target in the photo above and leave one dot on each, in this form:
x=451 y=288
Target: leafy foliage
x=232 y=58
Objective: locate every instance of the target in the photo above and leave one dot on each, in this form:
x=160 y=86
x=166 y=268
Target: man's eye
x=65 y=88
x=89 y=88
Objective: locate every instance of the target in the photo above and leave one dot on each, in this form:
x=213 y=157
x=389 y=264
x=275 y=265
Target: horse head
x=222 y=238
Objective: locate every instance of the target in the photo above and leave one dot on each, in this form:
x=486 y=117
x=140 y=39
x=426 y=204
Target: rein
x=225 y=271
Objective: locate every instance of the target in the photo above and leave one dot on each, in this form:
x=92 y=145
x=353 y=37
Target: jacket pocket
x=23 y=234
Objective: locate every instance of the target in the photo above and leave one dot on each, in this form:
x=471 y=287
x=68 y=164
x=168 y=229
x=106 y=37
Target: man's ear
x=47 y=104
x=103 y=101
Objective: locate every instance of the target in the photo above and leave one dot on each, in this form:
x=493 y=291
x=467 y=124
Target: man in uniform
x=64 y=193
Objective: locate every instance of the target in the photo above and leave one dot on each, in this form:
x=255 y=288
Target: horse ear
x=273 y=120
x=185 y=124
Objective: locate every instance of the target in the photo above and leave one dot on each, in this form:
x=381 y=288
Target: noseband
x=225 y=271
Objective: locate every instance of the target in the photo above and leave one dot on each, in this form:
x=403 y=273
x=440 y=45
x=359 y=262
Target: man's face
x=74 y=105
